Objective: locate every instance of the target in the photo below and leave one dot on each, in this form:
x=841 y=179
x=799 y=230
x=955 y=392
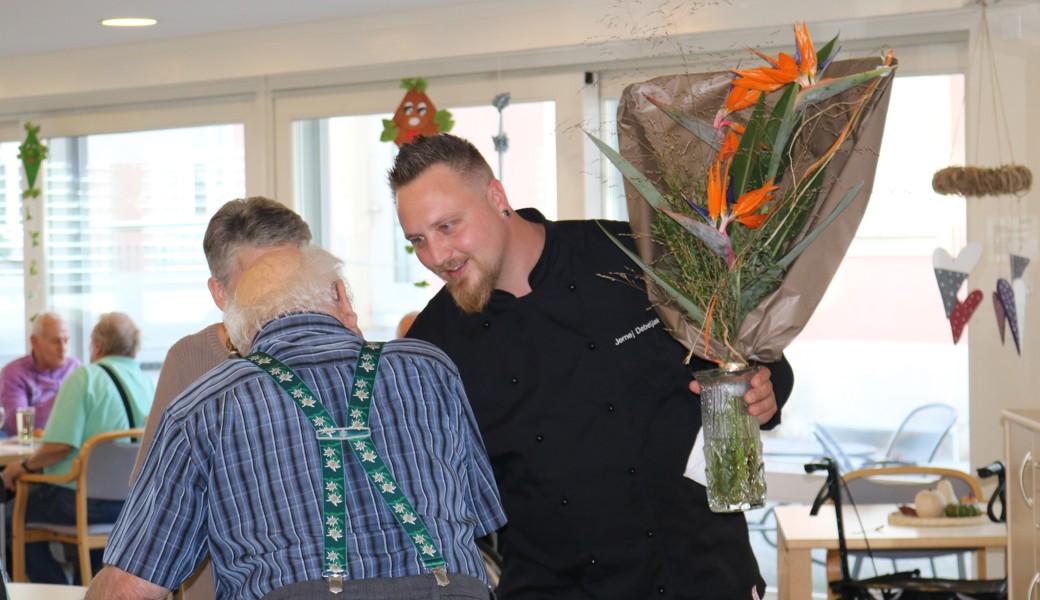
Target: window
x=12 y=278
x=879 y=343
x=125 y=216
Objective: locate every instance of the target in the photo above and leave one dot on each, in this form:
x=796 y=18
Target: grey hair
x=244 y=222
x=37 y=326
x=308 y=287
x=116 y=334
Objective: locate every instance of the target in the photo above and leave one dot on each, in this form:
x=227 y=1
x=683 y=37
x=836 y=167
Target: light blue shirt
x=235 y=469
x=88 y=403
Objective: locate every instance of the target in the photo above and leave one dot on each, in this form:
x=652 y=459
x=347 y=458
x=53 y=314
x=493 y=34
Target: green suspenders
x=358 y=436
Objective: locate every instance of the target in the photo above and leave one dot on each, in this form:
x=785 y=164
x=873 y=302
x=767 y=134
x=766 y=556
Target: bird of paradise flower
x=743 y=179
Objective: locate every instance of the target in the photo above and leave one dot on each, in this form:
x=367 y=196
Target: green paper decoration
x=32 y=154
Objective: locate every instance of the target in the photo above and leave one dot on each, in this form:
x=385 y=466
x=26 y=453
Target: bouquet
x=733 y=176
x=745 y=189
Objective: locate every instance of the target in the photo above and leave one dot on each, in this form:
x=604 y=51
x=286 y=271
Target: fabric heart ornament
x=962 y=312
x=1006 y=294
x=1019 y=287
x=1018 y=266
x=998 y=307
x=950 y=273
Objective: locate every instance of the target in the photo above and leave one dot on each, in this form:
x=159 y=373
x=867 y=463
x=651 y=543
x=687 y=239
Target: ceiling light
x=129 y=22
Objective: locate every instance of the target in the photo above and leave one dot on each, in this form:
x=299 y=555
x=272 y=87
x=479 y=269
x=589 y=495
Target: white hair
x=308 y=286
x=37 y=325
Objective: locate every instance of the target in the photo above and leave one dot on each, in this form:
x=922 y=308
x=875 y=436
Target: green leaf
x=786 y=261
x=832 y=87
x=414 y=83
x=692 y=310
x=782 y=124
x=712 y=238
x=703 y=130
x=390 y=131
x=824 y=54
x=639 y=181
x=744 y=160
x=443 y=120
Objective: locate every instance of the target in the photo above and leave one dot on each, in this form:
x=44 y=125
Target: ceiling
x=30 y=27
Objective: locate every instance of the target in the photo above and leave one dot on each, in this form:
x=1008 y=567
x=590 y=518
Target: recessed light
x=129 y=22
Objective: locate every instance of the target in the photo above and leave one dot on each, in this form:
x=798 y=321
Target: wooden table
x=44 y=591
x=11 y=451
x=798 y=534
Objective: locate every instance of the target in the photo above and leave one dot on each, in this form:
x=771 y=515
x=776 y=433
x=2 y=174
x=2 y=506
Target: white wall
x=577 y=35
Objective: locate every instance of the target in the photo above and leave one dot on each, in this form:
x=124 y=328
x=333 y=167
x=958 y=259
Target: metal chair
x=900 y=485
x=101 y=471
x=916 y=440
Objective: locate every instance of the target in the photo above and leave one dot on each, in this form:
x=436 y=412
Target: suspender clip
x=335 y=584
x=441 y=576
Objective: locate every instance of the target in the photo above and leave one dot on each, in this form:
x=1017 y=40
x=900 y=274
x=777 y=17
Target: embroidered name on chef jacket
x=632 y=333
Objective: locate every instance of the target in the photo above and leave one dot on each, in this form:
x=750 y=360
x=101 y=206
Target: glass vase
x=734 y=465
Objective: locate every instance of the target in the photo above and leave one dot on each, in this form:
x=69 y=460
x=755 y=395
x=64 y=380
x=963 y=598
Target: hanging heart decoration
x=962 y=313
x=1006 y=295
x=998 y=307
x=1018 y=266
x=950 y=273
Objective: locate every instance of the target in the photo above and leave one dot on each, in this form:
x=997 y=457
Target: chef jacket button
x=610 y=408
x=514 y=380
x=649 y=533
x=538 y=438
x=660 y=590
x=592 y=346
x=631 y=470
x=487 y=324
x=592 y=560
x=572 y=287
x=564 y=501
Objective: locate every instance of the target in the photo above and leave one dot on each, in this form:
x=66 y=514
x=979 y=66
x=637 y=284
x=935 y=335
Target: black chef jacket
x=583 y=401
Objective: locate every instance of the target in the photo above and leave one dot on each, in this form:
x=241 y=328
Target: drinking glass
x=25 y=424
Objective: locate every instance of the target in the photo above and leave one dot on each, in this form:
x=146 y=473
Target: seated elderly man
x=34 y=379
x=319 y=464
x=90 y=402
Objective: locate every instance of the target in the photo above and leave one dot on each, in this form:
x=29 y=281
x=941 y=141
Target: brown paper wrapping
x=647 y=137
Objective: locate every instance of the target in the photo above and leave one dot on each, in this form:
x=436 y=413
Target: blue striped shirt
x=234 y=469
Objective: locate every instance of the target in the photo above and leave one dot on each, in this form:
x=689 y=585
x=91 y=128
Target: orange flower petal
x=806 y=52
x=740 y=98
x=754 y=200
x=753 y=221
x=729 y=145
x=716 y=191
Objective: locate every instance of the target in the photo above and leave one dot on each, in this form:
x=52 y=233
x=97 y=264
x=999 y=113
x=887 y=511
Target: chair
x=899 y=485
x=915 y=441
x=101 y=471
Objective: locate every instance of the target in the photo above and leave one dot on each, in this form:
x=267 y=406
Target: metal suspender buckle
x=343 y=433
x=441 y=576
x=335 y=584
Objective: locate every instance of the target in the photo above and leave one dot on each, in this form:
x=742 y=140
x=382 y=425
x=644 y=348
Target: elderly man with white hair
x=321 y=466
x=33 y=380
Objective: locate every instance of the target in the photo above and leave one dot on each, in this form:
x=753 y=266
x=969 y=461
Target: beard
x=472 y=297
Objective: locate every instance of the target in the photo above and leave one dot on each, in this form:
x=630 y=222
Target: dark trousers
x=417 y=587
x=56 y=504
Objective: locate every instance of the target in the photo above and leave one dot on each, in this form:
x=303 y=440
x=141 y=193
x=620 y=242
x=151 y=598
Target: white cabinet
x=1022 y=452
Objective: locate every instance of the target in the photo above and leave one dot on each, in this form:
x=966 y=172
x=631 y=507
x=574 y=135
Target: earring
x=505 y=214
